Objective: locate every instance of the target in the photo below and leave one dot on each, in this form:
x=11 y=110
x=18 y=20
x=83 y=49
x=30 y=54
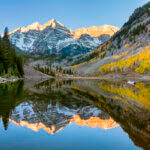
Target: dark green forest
x=11 y=64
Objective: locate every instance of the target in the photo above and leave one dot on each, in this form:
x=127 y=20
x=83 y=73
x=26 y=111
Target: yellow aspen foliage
x=139 y=62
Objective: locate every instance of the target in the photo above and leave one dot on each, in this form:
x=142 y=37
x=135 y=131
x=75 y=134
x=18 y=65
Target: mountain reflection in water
x=52 y=105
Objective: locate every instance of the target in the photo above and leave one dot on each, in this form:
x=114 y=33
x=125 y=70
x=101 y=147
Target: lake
x=75 y=115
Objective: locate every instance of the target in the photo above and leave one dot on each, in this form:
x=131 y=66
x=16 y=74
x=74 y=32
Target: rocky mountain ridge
x=54 y=37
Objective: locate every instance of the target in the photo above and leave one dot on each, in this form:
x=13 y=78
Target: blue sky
x=72 y=13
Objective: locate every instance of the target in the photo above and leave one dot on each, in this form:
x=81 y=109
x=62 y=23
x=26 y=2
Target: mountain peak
x=53 y=23
x=97 y=31
x=38 y=27
x=34 y=26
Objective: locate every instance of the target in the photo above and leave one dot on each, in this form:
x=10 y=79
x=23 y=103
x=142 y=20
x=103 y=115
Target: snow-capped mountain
x=54 y=37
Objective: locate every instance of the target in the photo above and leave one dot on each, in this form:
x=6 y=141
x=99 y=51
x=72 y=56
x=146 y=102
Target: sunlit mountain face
x=54 y=38
x=52 y=106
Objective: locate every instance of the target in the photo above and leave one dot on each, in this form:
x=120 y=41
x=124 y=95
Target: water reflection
x=55 y=104
x=127 y=104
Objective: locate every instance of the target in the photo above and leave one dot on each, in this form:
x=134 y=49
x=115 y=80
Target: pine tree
x=1 y=52
x=19 y=62
x=9 y=62
x=7 y=51
x=6 y=37
x=1 y=57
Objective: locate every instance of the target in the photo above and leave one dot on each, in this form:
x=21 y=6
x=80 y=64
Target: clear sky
x=72 y=13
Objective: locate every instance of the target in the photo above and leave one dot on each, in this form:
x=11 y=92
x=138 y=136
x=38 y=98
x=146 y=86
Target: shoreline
x=120 y=77
x=109 y=77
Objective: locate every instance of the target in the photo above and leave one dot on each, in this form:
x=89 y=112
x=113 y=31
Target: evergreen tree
x=9 y=62
x=1 y=57
x=6 y=37
x=19 y=62
x=1 y=52
x=7 y=51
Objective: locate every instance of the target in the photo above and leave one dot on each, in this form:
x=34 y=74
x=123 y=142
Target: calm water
x=75 y=115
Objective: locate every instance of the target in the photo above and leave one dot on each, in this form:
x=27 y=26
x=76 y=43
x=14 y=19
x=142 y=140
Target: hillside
x=29 y=72
x=127 y=51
